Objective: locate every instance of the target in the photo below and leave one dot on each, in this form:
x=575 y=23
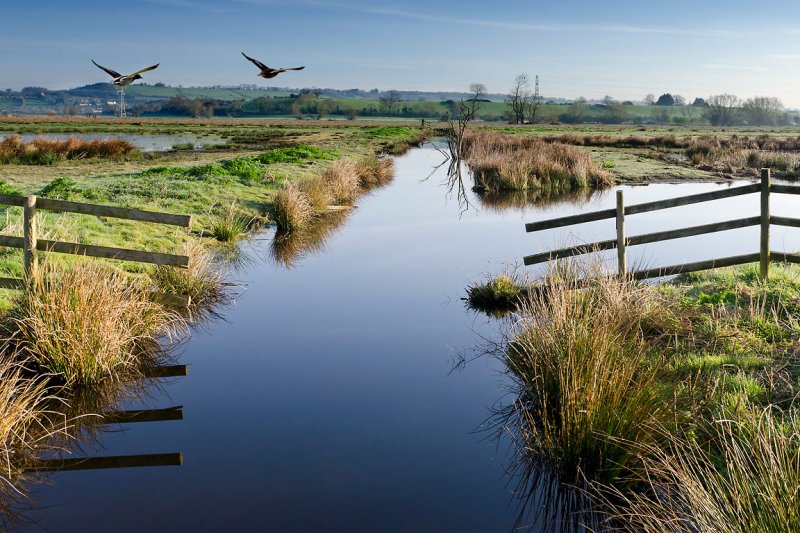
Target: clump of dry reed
x=291 y=208
x=749 y=481
x=341 y=179
x=318 y=193
x=296 y=204
x=590 y=379
x=26 y=429
x=506 y=162
x=89 y=322
x=44 y=151
x=201 y=281
x=375 y=172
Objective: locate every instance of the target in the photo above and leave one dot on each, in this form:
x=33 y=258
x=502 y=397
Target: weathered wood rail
x=30 y=243
x=622 y=241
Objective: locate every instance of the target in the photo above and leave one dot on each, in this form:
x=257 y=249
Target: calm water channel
x=325 y=399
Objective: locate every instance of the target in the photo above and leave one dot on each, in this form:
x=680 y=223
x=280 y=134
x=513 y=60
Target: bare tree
x=389 y=100
x=762 y=110
x=649 y=99
x=609 y=100
x=456 y=128
x=519 y=98
x=721 y=109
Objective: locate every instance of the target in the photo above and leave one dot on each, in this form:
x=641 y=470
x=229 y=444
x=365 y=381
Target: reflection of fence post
x=29 y=234
x=765 y=179
x=621 y=234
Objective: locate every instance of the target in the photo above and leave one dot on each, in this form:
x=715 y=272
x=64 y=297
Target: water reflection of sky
x=325 y=400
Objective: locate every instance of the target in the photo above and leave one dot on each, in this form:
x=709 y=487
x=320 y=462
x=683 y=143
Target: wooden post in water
x=29 y=234
x=621 y=266
x=764 y=253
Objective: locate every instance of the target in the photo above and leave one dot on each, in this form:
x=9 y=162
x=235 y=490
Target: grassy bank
x=671 y=407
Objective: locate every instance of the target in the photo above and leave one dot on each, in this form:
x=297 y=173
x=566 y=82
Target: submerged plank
x=144 y=415
x=166 y=371
x=115 y=461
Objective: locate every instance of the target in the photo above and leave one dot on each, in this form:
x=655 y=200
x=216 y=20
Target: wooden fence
x=30 y=242
x=622 y=241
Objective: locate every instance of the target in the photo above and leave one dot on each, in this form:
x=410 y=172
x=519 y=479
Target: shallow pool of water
x=326 y=399
x=145 y=143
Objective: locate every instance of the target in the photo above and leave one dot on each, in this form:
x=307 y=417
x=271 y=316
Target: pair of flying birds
x=122 y=80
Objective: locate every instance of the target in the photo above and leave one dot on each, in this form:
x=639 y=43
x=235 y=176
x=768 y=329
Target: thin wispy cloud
x=524 y=26
x=785 y=57
x=213 y=8
x=723 y=66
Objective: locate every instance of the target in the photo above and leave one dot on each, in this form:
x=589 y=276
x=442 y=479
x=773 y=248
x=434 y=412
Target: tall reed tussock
x=374 y=172
x=749 y=481
x=44 y=151
x=26 y=430
x=342 y=179
x=291 y=208
x=590 y=378
x=318 y=193
x=296 y=204
x=89 y=323
x=506 y=162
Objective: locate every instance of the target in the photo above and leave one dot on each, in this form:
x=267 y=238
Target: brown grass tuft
x=749 y=482
x=44 y=151
x=89 y=323
x=292 y=208
x=318 y=193
x=341 y=179
x=374 y=172
x=590 y=380
x=505 y=162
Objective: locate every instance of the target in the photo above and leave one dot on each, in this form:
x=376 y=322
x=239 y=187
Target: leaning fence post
x=29 y=234
x=621 y=233
x=765 y=179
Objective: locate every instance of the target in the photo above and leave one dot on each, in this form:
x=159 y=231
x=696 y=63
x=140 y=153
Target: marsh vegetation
x=610 y=378
x=655 y=407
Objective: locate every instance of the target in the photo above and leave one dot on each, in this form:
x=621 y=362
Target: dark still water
x=326 y=401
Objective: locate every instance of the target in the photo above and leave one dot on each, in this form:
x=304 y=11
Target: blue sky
x=625 y=49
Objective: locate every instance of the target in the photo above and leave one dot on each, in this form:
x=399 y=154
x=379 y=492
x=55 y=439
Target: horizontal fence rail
x=30 y=243
x=622 y=241
x=101 y=210
x=642 y=208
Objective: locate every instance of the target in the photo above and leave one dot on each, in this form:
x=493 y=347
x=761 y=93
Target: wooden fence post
x=764 y=254
x=29 y=234
x=621 y=267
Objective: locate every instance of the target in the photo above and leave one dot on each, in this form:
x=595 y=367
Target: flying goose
x=267 y=72
x=122 y=81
